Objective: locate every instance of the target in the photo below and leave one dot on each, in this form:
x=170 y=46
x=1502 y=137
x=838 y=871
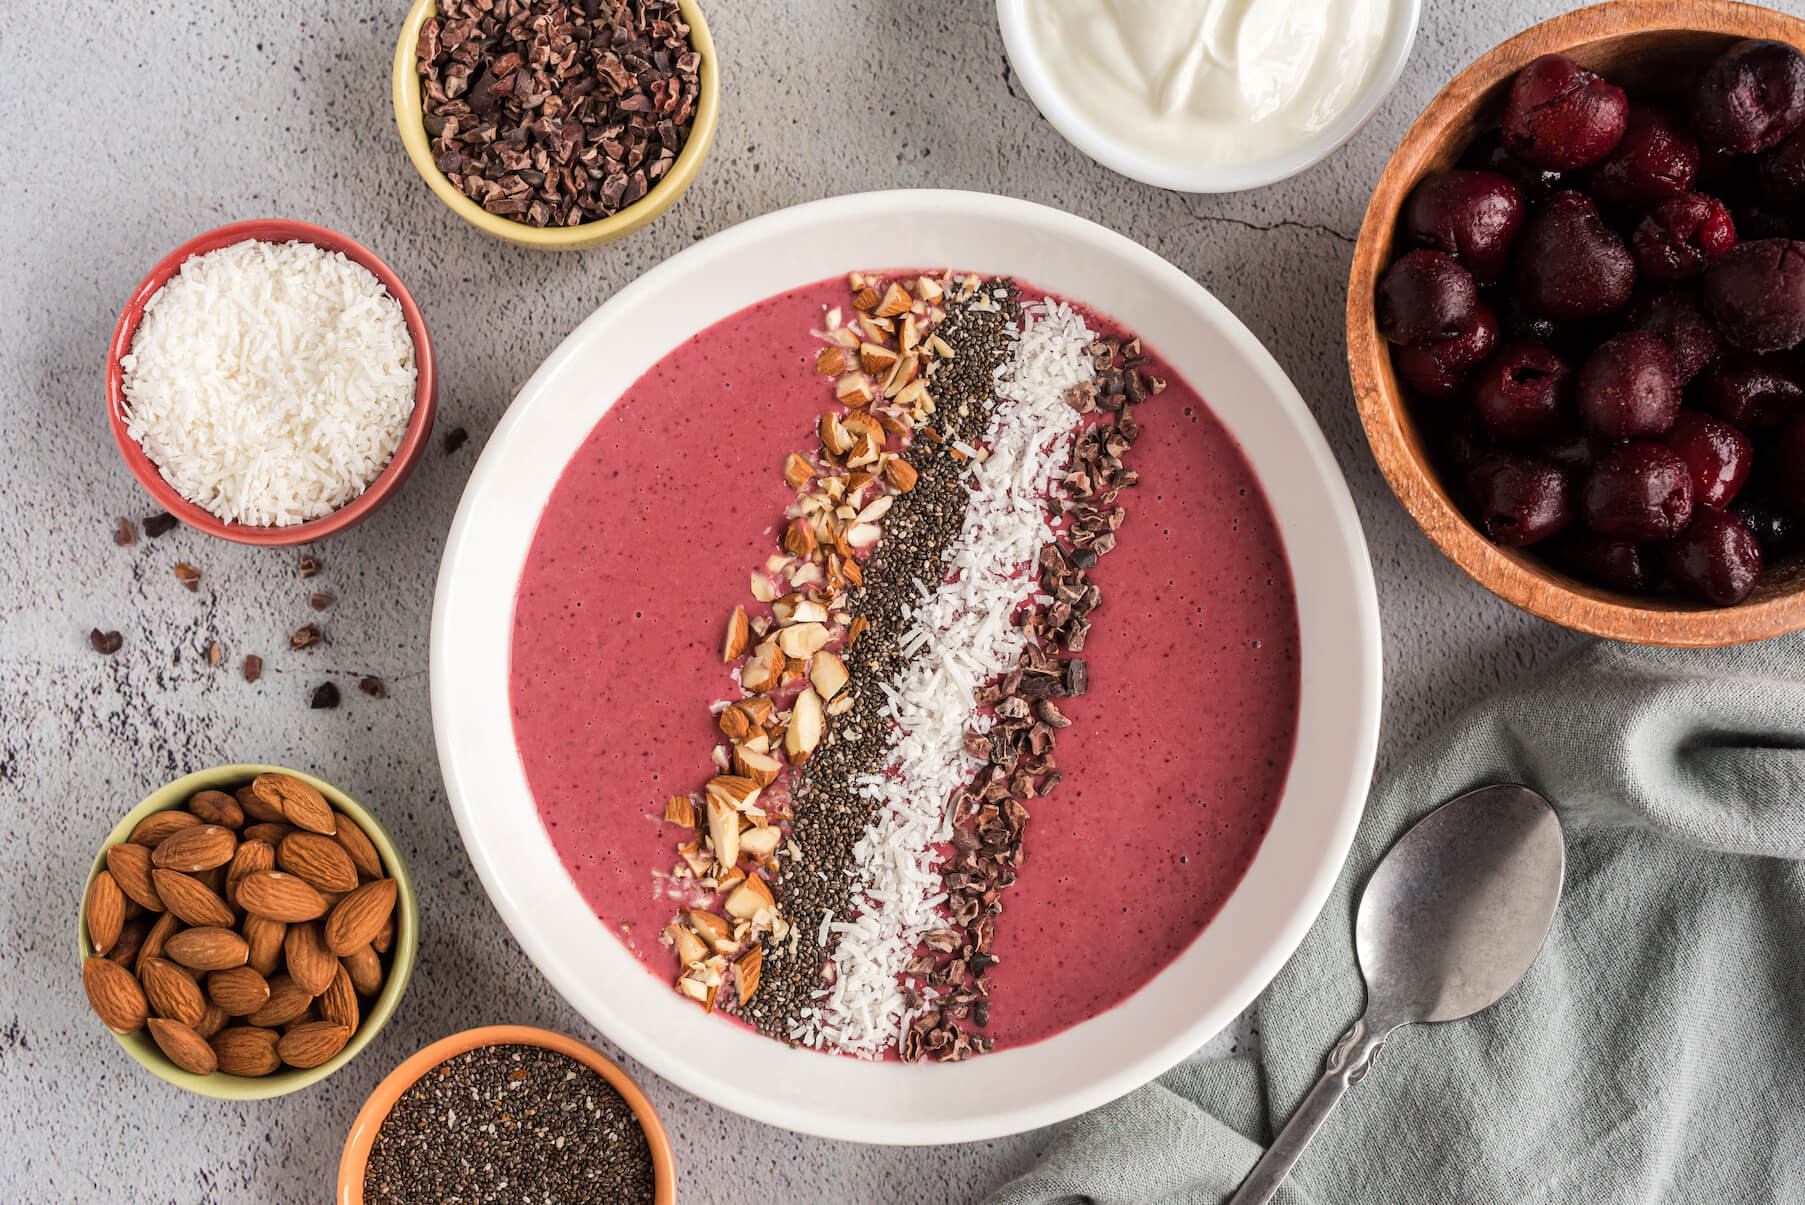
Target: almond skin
x=195 y=848
x=246 y=1050
x=321 y=861
x=212 y=1021
x=311 y=1044
x=114 y=995
x=106 y=911
x=160 y=932
x=357 y=844
x=207 y=949
x=264 y=936
x=171 y=992
x=255 y=809
x=252 y=854
x=131 y=868
x=217 y=807
x=190 y=899
x=287 y=1001
x=279 y=896
x=385 y=936
x=338 y=1003
x=271 y=834
x=309 y=962
x=301 y=805
x=358 y=917
x=155 y=828
x=239 y=992
x=131 y=940
x=365 y=969
x=185 y=1048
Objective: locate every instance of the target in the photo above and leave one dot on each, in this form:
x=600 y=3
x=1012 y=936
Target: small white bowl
x=1031 y=69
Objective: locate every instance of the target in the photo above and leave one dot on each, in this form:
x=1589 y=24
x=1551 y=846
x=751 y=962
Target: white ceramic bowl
x=1031 y=69
x=1012 y=1090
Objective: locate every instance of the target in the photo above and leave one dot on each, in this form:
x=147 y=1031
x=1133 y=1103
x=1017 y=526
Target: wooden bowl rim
x=1541 y=590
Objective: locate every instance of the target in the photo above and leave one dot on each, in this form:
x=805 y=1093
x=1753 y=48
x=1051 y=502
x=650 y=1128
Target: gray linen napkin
x=1656 y=1050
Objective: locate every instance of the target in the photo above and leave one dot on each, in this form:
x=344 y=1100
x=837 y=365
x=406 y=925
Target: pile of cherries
x=1616 y=292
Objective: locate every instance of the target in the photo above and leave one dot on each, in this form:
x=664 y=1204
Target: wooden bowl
x=1646 y=47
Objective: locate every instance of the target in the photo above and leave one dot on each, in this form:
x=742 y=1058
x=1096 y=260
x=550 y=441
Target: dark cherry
x=1569 y=263
x=1678 y=318
x=1520 y=394
x=1716 y=454
x=1782 y=170
x=1623 y=565
x=1761 y=219
x=1681 y=236
x=1467 y=445
x=1750 y=98
x=1626 y=388
x=1756 y=294
x=1638 y=491
x=1574 y=451
x=1755 y=393
x=1716 y=560
x=1423 y=298
x=1519 y=325
x=1657 y=158
x=1776 y=528
x=1789 y=466
x=1521 y=499
x=1561 y=116
x=1488 y=153
x=1440 y=370
x=1472 y=216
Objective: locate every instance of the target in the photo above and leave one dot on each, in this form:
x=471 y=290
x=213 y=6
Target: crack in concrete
x=1282 y=224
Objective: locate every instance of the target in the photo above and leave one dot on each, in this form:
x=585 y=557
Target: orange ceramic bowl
x=407 y=452
x=376 y=1109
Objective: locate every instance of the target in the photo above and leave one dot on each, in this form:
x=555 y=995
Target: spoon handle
x=1347 y=1065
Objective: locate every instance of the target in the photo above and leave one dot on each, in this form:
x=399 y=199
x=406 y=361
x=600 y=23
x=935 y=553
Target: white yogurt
x=1209 y=83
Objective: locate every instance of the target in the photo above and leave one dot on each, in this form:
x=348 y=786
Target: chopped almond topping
x=928 y=290
x=749 y=899
x=854 y=573
x=865 y=451
x=831 y=362
x=739 y=633
x=759 y=709
x=806 y=611
x=874 y=512
x=713 y=930
x=863 y=535
x=875 y=359
x=827 y=674
x=834 y=437
x=799 y=539
x=902 y=374
x=734 y=724
x=734 y=789
x=746 y=972
x=901 y=474
x=686 y=944
x=797 y=471
x=756 y=766
x=763 y=668
x=896 y=301
x=803 y=639
x=762 y=589
x=761 y=843
x=858 y=627
x=854 y=389
x=723 y=830
x=806 y=726
x=865 y=299
x=680 y=809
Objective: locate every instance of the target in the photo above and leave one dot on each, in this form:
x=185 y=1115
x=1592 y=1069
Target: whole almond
x=309 y=962
x=385 y=936
x=212 y=1021
x=252 y=854
x=270 y=834
x=359 y=916
x=214 y=880
x=301 y=805
x=357 y=844
x=131 y=940
x=338 y=1003
x=131 y=868
x=217 y=807
x=322 y=861
x=256 y=808
x=114 y=995
x=207 y=949
x=246 y=1050
x=365 y=969
x=106 y=911
x=159 y=934
x=311 y=1044
x=264 y=936
x=279 y=896
x=239 y=991
x=309 y=1016
x=185 y=1048
x=287 y=1001
x=190 y=899
x=195 y=848
x=155 y=828
x=171 y=991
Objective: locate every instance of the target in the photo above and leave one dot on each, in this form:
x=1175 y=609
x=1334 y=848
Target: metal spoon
x=1450 y=921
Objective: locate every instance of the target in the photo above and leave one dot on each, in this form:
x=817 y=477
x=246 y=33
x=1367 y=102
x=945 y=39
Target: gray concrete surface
x=128 y=128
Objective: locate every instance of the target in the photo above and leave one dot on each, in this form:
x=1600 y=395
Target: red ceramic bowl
x=407 y=453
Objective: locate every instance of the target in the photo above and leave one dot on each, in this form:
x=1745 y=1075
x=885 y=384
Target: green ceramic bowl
x=401 y=954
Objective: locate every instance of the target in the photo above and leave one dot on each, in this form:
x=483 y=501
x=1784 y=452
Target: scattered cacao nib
x=125 y=535
x=455 y=439
x=105 y=643
x=253 y=667
x=305 y=637
x=319 y=602
x=188 y=575
x=372 y=687
x=325 y=697
x=552 y=113
x=308 y=566
x=160 y=524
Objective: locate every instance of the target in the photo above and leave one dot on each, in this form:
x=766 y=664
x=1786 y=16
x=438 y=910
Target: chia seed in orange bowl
x=271 y=382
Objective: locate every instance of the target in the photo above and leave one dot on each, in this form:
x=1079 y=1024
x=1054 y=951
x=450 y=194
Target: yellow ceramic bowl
x=408 y=116
x=401 y=956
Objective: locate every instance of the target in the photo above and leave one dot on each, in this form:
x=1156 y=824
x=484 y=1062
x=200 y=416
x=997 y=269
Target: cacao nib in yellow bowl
x=546 y=176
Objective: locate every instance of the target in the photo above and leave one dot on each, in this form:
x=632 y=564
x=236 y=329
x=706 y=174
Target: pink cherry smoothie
x=1175 y=758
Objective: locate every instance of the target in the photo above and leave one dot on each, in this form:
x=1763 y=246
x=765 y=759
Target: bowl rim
x=368 y=1122
x=220 y=1085
x=1515 y=575
x=1263 y=919
x=404 y=88
x=1031 y=69
x=413 y=439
